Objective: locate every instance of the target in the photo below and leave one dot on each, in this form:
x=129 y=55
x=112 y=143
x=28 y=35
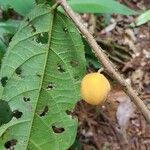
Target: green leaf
x=42 y=70
x=100 y=6
x=20 y=6
x=143 y=18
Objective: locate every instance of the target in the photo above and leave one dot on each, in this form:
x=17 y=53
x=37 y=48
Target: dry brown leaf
x=125 y=111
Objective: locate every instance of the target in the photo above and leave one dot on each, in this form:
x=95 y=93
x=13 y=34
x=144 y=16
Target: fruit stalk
x=105 y=61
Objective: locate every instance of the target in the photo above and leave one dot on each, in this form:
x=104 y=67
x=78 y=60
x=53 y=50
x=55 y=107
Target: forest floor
x=118 y=124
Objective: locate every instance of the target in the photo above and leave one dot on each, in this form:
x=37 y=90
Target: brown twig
x=105 y=61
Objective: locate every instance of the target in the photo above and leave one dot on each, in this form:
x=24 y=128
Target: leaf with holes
x=40 y=77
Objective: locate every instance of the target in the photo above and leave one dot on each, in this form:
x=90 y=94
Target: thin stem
x=105 y=61
x=55 y=5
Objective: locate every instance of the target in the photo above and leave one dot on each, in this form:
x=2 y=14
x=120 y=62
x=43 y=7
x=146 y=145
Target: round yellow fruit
x=95 y=88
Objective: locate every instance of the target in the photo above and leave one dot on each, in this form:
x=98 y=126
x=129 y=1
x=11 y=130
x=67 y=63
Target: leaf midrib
x=44 y=69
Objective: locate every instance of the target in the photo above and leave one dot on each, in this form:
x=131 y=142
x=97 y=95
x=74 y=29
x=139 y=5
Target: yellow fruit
x=95 y=88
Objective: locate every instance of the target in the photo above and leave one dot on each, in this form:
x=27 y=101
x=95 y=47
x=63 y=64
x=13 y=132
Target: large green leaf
x=100 y=6
x=41 y=74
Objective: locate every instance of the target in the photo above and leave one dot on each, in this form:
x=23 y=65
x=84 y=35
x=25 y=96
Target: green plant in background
x=82 y=6
x=22 y=8
x=87 y=6
x=7 y=30
x=142 y=19
x=41 y=72
x=100 y=6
